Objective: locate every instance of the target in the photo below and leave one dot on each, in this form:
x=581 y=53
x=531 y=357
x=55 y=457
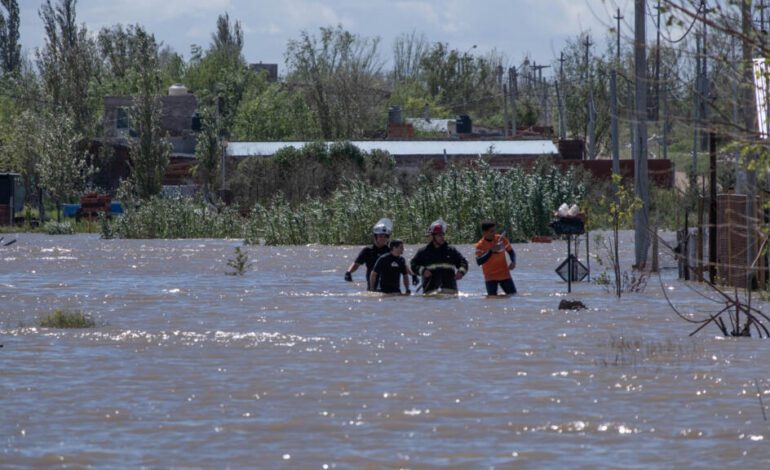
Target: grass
x=62 y=318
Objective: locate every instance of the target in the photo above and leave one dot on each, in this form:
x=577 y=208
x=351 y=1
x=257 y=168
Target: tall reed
x=174 y=218
x=520 y=201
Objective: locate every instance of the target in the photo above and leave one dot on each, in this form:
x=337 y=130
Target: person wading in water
x=490 y=255
x=389 y=269
x=370 y=254
x=439 y=264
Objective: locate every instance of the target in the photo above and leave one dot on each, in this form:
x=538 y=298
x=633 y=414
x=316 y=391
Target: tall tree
x=10 y=49
x=228 y=38
x=68 y=64
x=151 y=149
x=341 y=75
x=220 y=77
x=408 y=51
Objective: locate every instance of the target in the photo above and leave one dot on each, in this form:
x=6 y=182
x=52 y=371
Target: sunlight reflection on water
x=189 y=367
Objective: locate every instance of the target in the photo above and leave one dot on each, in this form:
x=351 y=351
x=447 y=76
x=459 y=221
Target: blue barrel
x=70 y=210
x=116 y=207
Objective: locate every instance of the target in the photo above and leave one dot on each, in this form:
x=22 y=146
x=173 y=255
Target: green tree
x=208 y=150
x=68 y=64
x=220 y=77
x=10 y=49
x=276 y=113
x=62 y=166
x=462 y=82
x=172 y=67
x=151 y=149
x=340 y=74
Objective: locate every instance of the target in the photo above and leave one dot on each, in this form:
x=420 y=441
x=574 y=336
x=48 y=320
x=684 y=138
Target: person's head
x=381 y=232
x=488 y=229
x=437 y=232
x=396 y=247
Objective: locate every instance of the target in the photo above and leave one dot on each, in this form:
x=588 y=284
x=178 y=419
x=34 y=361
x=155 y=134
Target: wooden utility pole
x=513 y=89
x=641 y=180
x=590 y=130
x=505 y=110
x=698 y=123
x=504 y=96
x=614 y=103
x=749 y=119
x=656 y=103
x=540 y=89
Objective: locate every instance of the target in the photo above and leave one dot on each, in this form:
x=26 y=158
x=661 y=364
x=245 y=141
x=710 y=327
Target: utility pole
x=561 y=98
x=505 y=110
x=222 y=147
x=696 y=97
x=614 y=103
x=540 y=89
x=504 y=95
x=641 y=180
x=513 y=89
x=587 y=43
x=747 y=184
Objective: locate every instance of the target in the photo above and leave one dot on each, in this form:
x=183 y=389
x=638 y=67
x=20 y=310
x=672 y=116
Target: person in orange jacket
x=490 y=255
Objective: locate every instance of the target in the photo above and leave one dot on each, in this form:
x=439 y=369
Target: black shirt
x=389 y=270
x=369 y=256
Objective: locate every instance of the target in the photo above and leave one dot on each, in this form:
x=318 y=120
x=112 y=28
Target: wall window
x=121 y=118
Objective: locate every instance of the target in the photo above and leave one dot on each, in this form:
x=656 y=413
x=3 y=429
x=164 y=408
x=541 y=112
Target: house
x=178 y=110
x=271 y=69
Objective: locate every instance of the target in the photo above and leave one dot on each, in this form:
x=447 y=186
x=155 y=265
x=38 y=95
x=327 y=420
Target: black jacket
x=443 y=262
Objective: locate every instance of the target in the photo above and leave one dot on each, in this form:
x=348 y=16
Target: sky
x=537 y=29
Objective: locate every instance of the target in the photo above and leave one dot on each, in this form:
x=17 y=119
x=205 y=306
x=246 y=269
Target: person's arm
x=462 y=265
x=360 y=259
x=417 y=266
x=349 y=273
x=373 y=280
x=406 y=284
x=482 y=256
x=511 y=254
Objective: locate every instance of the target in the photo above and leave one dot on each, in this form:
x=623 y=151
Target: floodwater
x=289 y=366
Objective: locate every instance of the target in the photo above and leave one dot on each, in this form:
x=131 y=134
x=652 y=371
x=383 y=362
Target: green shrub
x=61 y=318
x=59 y=228
x=174 y=218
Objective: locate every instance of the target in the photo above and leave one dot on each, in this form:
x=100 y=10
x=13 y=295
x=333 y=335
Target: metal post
x=614 y=123
x=712 y=206
x=569 y=264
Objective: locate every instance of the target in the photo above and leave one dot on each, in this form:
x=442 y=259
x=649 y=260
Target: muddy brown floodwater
x=289 y=366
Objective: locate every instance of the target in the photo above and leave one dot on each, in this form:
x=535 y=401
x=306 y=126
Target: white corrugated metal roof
x=412 y=147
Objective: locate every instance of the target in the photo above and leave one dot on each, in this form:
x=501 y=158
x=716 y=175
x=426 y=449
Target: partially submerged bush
x=239 y=264
x=61 y=318
x=59 y=228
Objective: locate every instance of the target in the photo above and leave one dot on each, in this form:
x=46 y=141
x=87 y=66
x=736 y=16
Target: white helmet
x=383 y=227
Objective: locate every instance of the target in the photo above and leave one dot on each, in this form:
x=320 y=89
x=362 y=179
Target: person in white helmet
x=370 y=254
x=439 y=264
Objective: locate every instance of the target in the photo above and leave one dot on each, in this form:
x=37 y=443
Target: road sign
x=579 y=271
